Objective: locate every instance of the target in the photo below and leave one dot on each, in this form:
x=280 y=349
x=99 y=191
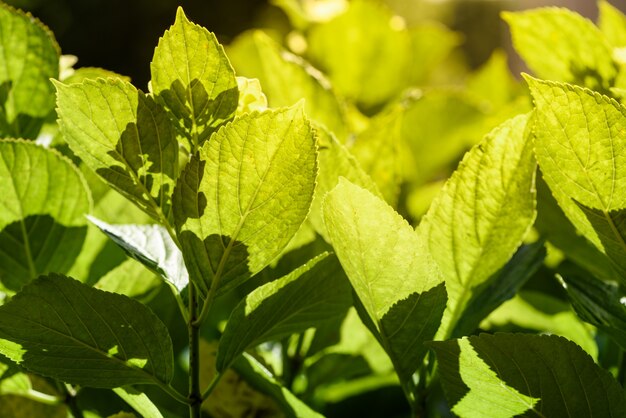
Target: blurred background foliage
x=120 y=35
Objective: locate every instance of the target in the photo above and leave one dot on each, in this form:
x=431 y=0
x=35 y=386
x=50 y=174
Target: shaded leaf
x=482 y=214
x=152 y=246
x=396 y=280
x=193 y=78
x=61 y=328
x=507 y=375
x=244 y=196
x=42 y=206
x=309 y=295
x=125 y=137
x=30 y=58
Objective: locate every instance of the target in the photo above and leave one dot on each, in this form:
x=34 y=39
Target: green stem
x=35 y=395
x=212 y=385
x=621 y=371
x=179 y=301
x=195 y=397
x=70 y=400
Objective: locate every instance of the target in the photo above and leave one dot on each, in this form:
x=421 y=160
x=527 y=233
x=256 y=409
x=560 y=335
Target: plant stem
x=195 y=397
x=35 y=395
x=70 y=400
x=212 y=385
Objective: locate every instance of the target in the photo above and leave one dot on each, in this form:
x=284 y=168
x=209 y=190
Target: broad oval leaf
x=309 y=295
x=152 y=246
x=242 y=198
x=482 y=214
x=559 y=44
x=125 y=137
x=192 y=76
x=30 y=58
x=42 y=206
x=395 y=278
x=507 y=375
x=579 y=145
x=61 y=328
x=286 y=79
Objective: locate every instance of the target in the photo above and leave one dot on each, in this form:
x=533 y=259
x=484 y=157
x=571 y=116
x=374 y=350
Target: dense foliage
x=343 y=222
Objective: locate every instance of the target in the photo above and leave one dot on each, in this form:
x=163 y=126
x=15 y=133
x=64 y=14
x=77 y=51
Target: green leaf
x=532 y=310
x=482 y=214
x=13 y=381
x=30 y=58
x=391 y=271
x=507 y=375
x=612 y=23
x=125 y=137
x=286 y=79
x=558 y=44
x=81 y=74
x=192 y=76
x=579 y=146
x=61 y=328
x=132 y=279
x=431 y=44
x=139 y=401
x=309 y=295
x=42 y=206
x=251 y=97
x=501 y=287
x=365 y=51
x=244 y=196
x=599 y=303
x=152 y=246
x=334 y=161
x=262 y=380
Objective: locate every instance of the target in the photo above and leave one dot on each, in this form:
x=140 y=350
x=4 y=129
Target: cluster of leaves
x=302 y=237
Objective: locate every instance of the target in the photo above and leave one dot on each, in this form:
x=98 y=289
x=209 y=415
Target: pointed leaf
x=30 y=58
x=482 y=214
x=286 y=79
x=125 y=137
x=507 y=375
x=559 y=44
x=313 y=293
x=61 y=328
x=244 y=196
x=192 y=76
x=599 y=303
x=42 y=205
x=396 y=280
x=152 y=246
x=579 y=146
x=139 y=401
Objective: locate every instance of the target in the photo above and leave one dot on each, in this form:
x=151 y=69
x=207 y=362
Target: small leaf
x=558 y=44
x=482 y=214
x=578 y=144
x=309 y=295
x=244 y=196
x=251 y=97
x=152 y=246
x=30 y=58
x=192 y=76
x=599 y=303
x=507 y=375
x=396 y=280
x=42 y=205
x=139 y=401
x=612 y=23
x=125 y=137
x=286 y=79
x=61 y=328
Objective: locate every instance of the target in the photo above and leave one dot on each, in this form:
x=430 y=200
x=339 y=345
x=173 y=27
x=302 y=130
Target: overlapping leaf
x=192 y=76
x=243 y=197
x=306 y=297
x=30 y=58
x=59 y=327
x=42 y=206
x=579 y=144
x=507 y=375
x=396 y=280
x=483 y=212
x=125 y=137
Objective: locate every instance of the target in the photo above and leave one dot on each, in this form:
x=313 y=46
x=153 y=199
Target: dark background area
x=120 y=35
